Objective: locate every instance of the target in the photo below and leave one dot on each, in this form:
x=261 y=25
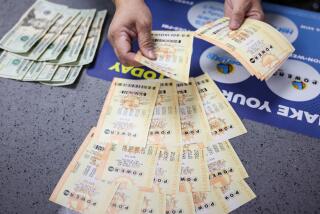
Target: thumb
x=146 y=43
x=237 y=17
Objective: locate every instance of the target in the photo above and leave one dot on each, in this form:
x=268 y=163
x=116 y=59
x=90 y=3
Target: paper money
x=13 y=67
x=235 y=195
x=165 y=128
x=73 y=74
x=194 y=169
x=92 y=42
x=260 y=48
x=180 y=202
x=34 y=71
x=72 y=51
x=31 y=27
x=194 y=125
x=153 y=202
x=47 y=72
x=133 y=165
x=224 y=164
x=167 y=174
x=67 y=15
x=127 y=200
x=61 y=74
x=173 y=50
x=58 y=45
x=223 y=120
x=127 y=112
x=80 y=188
x=209 y=202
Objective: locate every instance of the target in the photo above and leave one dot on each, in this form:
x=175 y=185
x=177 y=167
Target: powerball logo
x=295 y=80
x=222 y=67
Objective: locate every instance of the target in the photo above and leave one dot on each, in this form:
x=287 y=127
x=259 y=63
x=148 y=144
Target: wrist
x=119 y=3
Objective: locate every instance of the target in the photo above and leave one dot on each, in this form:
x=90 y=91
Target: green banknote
x=40 y=47
x=72 y=51
x=31 y=27
x=13 y=67
x=92 y=42
x=73 y=74
x=58 y=45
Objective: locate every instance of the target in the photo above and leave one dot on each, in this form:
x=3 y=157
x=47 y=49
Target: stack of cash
x=50 y=44
x=159 y=147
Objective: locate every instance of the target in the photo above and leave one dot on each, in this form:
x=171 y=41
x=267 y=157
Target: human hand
x=238 y=10
x=132 y=20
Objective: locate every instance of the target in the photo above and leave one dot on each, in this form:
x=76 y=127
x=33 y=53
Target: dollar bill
x=260 y=48
x=180 y=202
x=80 y=189
x=165 y=128
x=167 y=174
x=194 y=169
x=224 y=164
x=128 y=164
x=32 y=26
x=73 y=74
x=173 y=50
x=209 y=202
x=194 y=124
x=127 y=112
x=40 y=47
x=59 y=44
x=153 y=202
x=13 y=67
x=235 y=195
x=61 y=74
x=34 y=71
x=127 y=200
x=47 y=72
x=223 y=120
x=91 y=45
x=72 y=50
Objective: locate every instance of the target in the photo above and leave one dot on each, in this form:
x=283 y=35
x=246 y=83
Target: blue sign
x=290 y=99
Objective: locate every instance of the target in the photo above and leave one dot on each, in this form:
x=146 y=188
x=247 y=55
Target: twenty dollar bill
x=31 y=27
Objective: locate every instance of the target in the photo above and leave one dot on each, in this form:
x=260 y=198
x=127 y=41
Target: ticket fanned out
x=223 y=120
x=260 y=48
x=194 y=125
x=80 y=188
x=165 y=127
x=133 y=165
x=127 y=112
x=168 y=170
x=173 y=50
x=224 y=164
x=288 y=90
x=155 y=151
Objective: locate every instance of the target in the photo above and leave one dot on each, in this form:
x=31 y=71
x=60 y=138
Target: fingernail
x=234 y=25
x=151 y=54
